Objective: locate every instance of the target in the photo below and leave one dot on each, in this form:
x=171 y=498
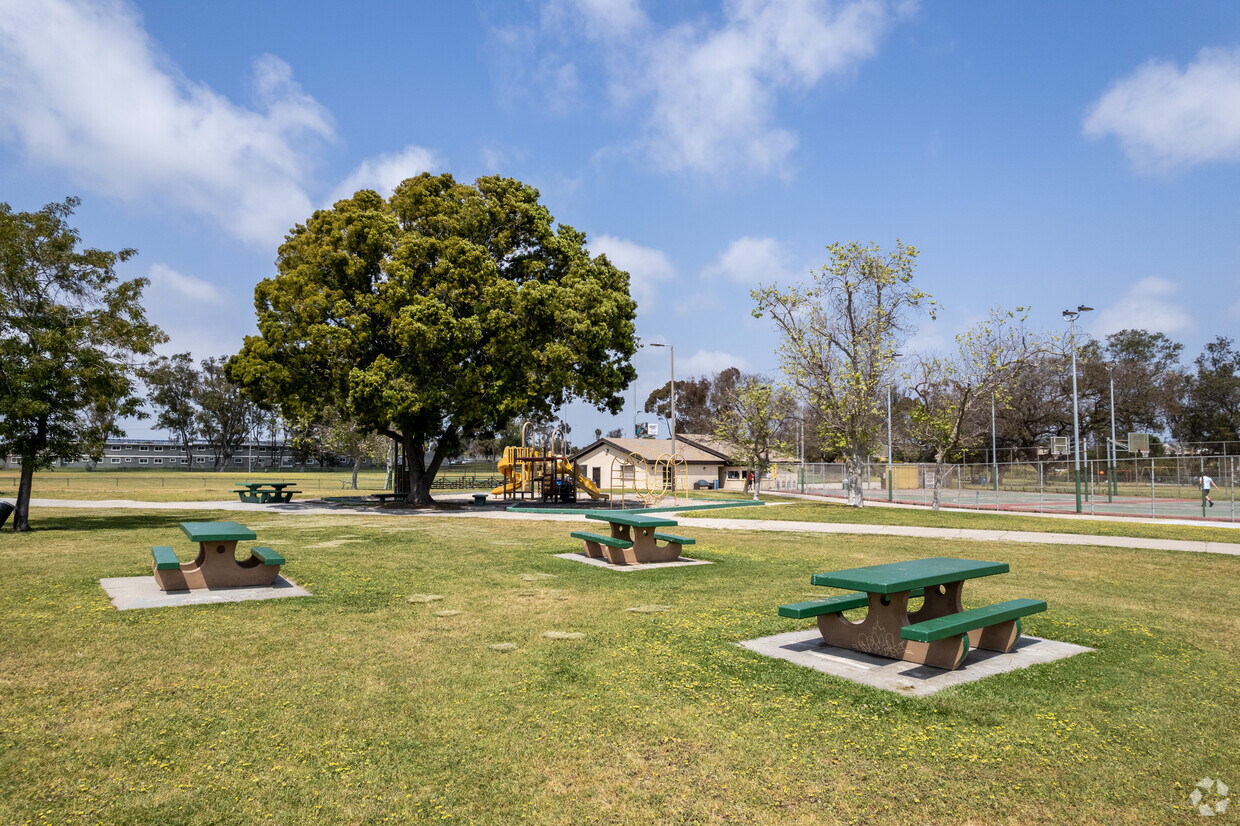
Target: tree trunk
x=420 y=476
x=357 y=465
x=852 y=466
x=21 y=509
x=938 y=480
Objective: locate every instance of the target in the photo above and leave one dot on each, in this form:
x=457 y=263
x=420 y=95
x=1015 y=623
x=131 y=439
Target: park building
x=167 y=454
x=707 y=463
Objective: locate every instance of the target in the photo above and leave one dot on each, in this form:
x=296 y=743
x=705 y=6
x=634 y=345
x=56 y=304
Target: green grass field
x=359 y=706
x=199 y=486
x=795 y=510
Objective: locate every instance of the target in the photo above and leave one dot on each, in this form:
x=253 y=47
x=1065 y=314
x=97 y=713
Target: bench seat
x=602 y=540
x=831 y=605
x=165 y=559
x=384 y=497
x=268 y=556
x=671 y=537
x=966 y=621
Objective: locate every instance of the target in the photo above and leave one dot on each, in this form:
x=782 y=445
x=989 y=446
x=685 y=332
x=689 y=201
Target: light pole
x=671 y=351
x=1072 y=316
x=994 y=451
x=890 y=487
x=1112 y=485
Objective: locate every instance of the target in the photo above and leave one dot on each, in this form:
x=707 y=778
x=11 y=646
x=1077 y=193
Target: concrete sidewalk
x=312 y=508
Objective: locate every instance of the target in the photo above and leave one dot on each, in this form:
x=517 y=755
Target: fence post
x=1153 y=507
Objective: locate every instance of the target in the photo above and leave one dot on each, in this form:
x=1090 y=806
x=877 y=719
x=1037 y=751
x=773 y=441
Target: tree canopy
x=70 y=333
x=953 y=391
x=840 y=336
x=439 y=315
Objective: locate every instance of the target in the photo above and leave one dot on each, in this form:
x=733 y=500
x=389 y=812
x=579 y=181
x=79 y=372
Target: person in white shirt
x=1206 y=484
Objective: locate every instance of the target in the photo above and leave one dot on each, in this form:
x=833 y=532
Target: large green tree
x=439 y=315
x=1211 y=411
x=225 y=416
x=70 y=334
x=172 y=389
x=840 y=336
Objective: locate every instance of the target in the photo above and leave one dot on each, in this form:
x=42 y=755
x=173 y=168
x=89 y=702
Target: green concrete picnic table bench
x=263 y=493
x=940 y=633
x=216 y=565
x=634 y=538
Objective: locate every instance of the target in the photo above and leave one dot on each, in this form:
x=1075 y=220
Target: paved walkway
x=717 y=524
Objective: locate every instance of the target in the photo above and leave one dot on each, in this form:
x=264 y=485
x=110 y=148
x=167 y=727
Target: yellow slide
x=583 y=483
x=512 y=476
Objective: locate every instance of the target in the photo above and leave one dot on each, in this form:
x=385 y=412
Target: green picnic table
x=939 y=633
x=216 y=565
x=634 y=538
x=263 y=493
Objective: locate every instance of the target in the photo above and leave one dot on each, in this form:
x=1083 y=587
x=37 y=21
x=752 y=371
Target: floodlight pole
x=994 y=451
x=1072 y=316
x=890 y=485
x=1112 y=485
x=671 y=351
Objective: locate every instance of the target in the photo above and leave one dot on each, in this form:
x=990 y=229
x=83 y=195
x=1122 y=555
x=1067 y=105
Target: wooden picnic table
x=939 y=633
x=265 y=492
x=634 y=538
x=216 y=565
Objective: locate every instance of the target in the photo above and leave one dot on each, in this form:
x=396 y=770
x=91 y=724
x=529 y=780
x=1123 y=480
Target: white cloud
x=169 y=282
x=709 y=362
x=646 y=266
x=83 y=89
x=1148 y=305
x=711 y=93
x=384 y=172
x=1166 y=118
x=195 y=314
x=750 y=261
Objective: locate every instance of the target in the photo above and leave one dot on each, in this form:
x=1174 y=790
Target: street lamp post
x=671 y=352
x=1072 y=316
x=1112 y=485
x=890 y=485
x=994 y=450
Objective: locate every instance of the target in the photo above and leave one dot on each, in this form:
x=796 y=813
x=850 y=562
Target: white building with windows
x=164 y=454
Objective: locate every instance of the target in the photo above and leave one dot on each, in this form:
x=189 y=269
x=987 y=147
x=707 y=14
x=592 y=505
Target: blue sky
x=1044 y=154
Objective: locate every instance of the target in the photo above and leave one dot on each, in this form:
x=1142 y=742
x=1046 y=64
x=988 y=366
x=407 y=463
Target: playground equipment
x=649 y=487
x=546 y=474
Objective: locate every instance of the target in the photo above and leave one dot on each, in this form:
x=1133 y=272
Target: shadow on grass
x=105 y=521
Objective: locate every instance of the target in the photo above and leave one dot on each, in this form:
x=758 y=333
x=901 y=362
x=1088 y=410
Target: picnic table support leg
x=217 y=566
x=1001 y=636
x=620 y=556
x=939 y=601
x=879 y=632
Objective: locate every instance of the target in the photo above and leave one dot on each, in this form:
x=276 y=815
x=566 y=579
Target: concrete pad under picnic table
x=900 y=676
x=128 y=592
x=633 y=566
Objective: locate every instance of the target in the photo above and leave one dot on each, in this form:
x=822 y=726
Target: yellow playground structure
x=545 y=474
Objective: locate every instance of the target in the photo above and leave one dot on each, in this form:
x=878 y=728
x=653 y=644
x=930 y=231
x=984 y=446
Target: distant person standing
x=1206 y=484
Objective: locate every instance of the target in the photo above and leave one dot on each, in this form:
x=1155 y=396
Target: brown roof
x=723 y=446
x=695 y=447
x=652 y=449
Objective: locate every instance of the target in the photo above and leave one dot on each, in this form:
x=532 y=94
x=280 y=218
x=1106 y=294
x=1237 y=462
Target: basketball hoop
x=1144 y=453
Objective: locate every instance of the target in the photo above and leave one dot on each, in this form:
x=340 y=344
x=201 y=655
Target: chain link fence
x=1168 y=486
